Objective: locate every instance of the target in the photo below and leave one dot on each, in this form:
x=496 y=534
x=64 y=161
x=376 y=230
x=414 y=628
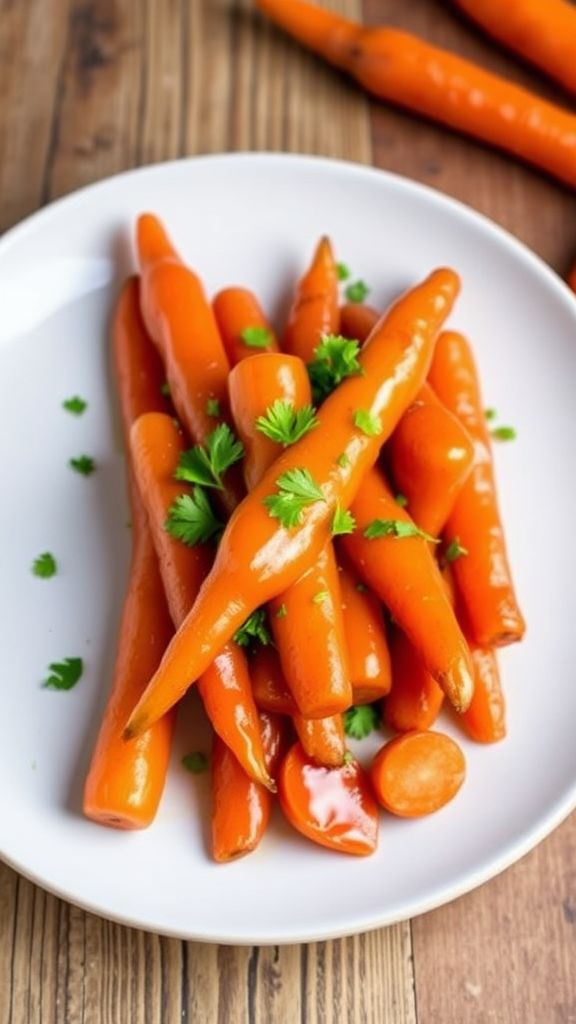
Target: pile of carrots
x=315 y=535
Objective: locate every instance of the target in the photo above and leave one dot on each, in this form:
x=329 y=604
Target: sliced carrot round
x=331 y=806
x=417 y=773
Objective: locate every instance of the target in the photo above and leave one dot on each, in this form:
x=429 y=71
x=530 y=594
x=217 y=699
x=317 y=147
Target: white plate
x=254 y=219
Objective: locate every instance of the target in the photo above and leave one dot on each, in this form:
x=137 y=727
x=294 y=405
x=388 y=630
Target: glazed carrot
x=431 y=456
x=485 y=719
x=571 y=279
x=315 y=309
x=357 y=321
x=322 y=739
x=225 y=687
x=368 y=654
x=243 y=326
x=269 y=686
x=417 y=773
x=483 y=576
x=125 y=779
x=258 y=557
x=407 y=71
x=542 y=33
x=402 y=571
x=331 y=806
x=415 y=698
x=181 y=322
x=240 y=806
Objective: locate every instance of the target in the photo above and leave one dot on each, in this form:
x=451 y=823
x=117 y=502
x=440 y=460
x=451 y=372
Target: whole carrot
x=407 y=71
x=543 y=33
x=181 y=322
x=322 y=739
x=415 y=698
x=269 y=686
x=483 y=575
x=243 y=326
x=357 y=321
x=281 y=527
x=368 y=654
x=225 y=687
x=315 y=309
x=125 y=779
x=485 y=719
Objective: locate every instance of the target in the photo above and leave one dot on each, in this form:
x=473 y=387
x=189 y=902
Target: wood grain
x=101 y=85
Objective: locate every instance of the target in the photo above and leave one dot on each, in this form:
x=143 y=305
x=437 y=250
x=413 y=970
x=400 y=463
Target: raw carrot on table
x=483 y=576
x=407 y=71
x=541 y=32
x=242 y=323
x=225 y=687
x=417 y=773
x=282 y=526
x=126 y=779
x=315 y=310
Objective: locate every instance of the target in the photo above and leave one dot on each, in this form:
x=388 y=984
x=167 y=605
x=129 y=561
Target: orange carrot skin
x=483 y=576
x=236 y=309
x=269 y=686
x=368 y=653
x=126 y=779
x=322 y=739
x=417 y=773
x=485 y=719
x=541 y=33
x=415 y=699
x=407 y=71
x=257 y=557
x=331 y=806
x=241 y=807
x=181 y=322
x=225 y=686
x=315 y=310
x=571 y=279
x=357 y=321
x=431 y=456
x=404 y=575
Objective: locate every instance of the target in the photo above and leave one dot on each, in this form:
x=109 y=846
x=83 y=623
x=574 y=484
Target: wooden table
x=88 y=88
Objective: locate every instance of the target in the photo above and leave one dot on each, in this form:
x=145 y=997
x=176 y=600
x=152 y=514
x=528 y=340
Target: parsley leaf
x=357 y=291
x=197 y=762
x=343 y=460
x=64 y=674
x=342 y=271
x=45 y=566
x=490 y=414
x=504 y=434
x=360 y=720
x=343 y=522
x=401 y=500
x=165 y=389
x=256 y=337
x=454 y=550
x=335 y=358
x=395 y=528
x=321 y=596
x=282 y=612
x=296 y=490
x=84 y=465
x=191 y=519
x=213 y=407
x=367 y=422
x=206 y=464
x=284 y=424
x=348 y=757
x=75 y=405
x=254 y=629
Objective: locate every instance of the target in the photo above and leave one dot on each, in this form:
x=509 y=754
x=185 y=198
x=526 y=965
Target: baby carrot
x=417 y=773
x=277 y=532
x=240 y=806
x=322 y=739
x=397 y=563
x=405 y=70
x=485 y=719
x=125 y=779
x=543 y=33
x=225 y=687
x=357 y=321
x=415 y=697
x=368 y=654
x=269 y=686
x=243 y=327
x=181 y=322
x=482 y=574
x=331 y=806
x=315 y=310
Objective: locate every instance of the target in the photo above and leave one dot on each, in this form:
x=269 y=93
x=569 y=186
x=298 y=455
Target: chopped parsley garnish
x=256 y=337
x=45 y=566
x=64 y=674
x=504 y=434
x=401 y=500
x=348 y=757
x=490 y=414
x=284 y=424
x=191 y=519
x=335 y=358
x=165 y=389
x=254 y=630
x=357 y=291
x=197 y=762
x=321 y=596
x=361 y=588
x=282 y=612
x=454 y=550
x=360 y=720
x=213 y=407
x=343 y=522
x=367 y=422
x=296 y=490
x=343 y=460
x=75 y=405
x=395 y=528
x=343 y=271
x=206 y=464
x=83 y=464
